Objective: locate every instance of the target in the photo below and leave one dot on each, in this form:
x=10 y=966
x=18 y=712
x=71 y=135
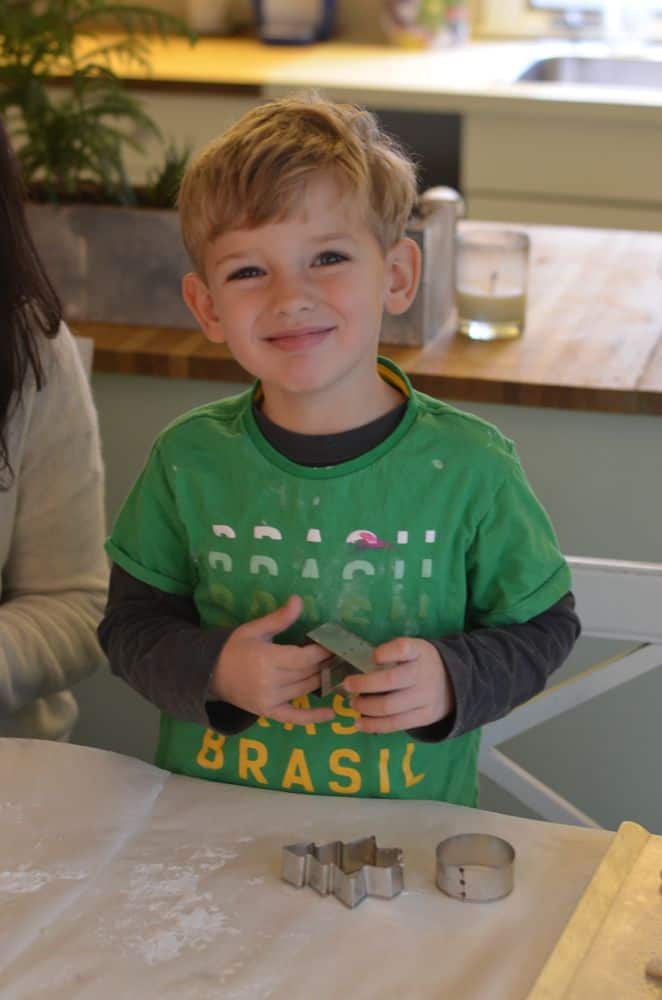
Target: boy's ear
x=198 y=298
x=403 y=273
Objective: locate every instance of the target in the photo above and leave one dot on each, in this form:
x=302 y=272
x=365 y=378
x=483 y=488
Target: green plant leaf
x=73 y=138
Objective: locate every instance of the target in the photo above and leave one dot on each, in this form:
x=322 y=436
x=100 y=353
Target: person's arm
x=55 y=574
x=154 y=642
x=493 y=670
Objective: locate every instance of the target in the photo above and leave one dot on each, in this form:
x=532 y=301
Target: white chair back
x=615 y=600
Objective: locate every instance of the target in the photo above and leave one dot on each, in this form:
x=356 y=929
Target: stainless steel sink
x=613 y=71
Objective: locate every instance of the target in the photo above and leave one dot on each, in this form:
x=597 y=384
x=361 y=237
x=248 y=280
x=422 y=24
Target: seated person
x=54 y=571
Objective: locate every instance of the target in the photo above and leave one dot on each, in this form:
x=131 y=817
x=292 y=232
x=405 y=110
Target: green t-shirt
x=434 y=531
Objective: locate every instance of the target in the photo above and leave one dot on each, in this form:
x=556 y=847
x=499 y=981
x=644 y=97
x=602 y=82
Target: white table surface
x=119 y=880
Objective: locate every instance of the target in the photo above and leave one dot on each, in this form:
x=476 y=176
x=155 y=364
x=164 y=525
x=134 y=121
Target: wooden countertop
x=593 y=338
x=477 y=75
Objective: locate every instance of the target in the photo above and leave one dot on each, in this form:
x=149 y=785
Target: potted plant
x=114 y=252
x=72 y=120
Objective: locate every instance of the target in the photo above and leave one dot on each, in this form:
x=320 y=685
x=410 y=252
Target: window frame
x=520 y=19
x=583 y=7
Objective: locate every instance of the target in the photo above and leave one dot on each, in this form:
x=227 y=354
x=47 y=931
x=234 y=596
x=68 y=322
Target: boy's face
x=299 y=301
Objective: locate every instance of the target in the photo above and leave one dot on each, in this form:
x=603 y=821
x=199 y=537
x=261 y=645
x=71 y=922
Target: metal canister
x=440 y=208
x=433 y=226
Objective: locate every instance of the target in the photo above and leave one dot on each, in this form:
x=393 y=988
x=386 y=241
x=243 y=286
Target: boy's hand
x=262 y=676
x=415 y=692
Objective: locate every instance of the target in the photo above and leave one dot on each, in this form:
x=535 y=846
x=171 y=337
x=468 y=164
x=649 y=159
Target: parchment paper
x=119 y=880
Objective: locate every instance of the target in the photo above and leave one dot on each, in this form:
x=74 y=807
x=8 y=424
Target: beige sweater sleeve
x=54 y=571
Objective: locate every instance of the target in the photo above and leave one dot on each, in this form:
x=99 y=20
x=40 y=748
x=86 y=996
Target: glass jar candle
x=491 y=272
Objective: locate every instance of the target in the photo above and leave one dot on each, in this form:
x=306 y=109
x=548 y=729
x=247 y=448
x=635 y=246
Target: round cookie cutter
x=475 y=867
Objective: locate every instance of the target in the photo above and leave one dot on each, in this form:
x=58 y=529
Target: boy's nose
x=291 y=296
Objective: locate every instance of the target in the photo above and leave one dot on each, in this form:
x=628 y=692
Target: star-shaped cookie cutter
x=351 y=870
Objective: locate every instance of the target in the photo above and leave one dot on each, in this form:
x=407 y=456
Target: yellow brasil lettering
x=340 y=707
x=297 y=772
x=252 y=764
x=354 y=776
x=210 y=755
x=253 y=758
x=410 y=778
x=384 y=781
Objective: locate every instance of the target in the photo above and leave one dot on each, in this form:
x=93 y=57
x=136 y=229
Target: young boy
x=329 y=491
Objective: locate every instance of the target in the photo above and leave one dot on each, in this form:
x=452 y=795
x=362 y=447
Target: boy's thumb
x=277 y=621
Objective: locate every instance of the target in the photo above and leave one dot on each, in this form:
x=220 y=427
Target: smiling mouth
x=300 y=339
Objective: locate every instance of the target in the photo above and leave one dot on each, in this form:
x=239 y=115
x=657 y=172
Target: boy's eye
x=245 y=272
x=330 y=257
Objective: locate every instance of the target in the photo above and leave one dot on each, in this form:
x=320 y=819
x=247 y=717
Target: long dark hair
x=29 y=305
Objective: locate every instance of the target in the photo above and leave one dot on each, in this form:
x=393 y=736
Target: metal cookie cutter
x=351 y=871
x=475 y=866
x=353 y=655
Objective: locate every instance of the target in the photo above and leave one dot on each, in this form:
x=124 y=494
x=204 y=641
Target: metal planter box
x=124 y=265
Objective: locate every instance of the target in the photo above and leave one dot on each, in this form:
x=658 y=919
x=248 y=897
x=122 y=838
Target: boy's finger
x=301 y=716
x=305 y=657
x=276 y=621
x=402 y=675
x=297 y=688
x=388 y=705
x=400 y=650
x=296 y=660
x=393 y=723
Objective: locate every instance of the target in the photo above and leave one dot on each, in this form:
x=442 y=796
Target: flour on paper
x=195 y=928
x=27 y=879
x=12 y=807
x=166 y=913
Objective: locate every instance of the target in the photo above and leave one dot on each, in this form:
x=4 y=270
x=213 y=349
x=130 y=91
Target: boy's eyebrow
x=231 y=255
x=324 y=237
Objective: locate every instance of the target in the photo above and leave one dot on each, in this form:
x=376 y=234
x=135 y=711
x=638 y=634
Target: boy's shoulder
x=224 y=412
x=222 y=417
x=464 y=431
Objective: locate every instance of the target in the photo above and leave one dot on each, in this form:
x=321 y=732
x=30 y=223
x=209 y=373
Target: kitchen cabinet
x=194 y=117
x=523 y=168
x=191 y=117
x=532 y=152
x=567 y=169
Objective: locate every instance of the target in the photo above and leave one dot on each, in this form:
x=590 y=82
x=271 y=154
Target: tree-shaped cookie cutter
x=351 y=870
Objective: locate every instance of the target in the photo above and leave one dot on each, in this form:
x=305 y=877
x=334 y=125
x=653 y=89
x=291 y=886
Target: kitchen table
x=118 y=879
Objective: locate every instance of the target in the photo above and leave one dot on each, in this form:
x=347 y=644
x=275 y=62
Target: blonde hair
x=253 y=173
